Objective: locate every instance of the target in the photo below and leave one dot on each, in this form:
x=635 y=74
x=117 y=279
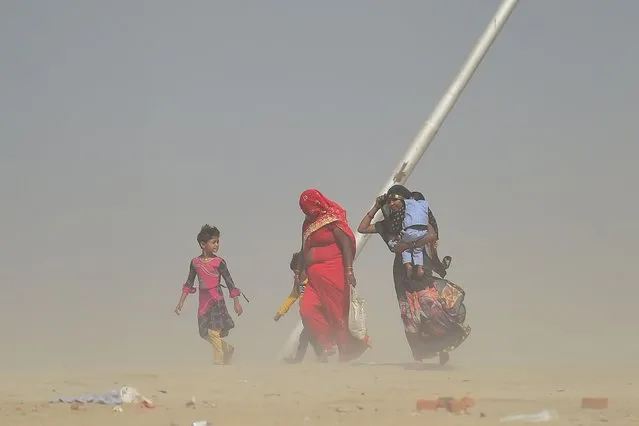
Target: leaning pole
x=430 y=128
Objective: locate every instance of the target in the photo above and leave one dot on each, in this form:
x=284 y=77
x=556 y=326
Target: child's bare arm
x=180 y=304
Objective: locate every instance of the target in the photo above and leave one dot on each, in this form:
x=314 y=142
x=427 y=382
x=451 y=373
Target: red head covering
x=321 y=211
x=315 y=205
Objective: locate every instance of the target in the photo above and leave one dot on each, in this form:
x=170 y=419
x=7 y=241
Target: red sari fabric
x=325 y=306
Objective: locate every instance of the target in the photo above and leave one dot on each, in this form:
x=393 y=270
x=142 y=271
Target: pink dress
x=212 y=311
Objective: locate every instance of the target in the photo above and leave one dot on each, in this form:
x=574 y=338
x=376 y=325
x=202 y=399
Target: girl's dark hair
x=417 y=196
x=295 y=260
x=207 y=233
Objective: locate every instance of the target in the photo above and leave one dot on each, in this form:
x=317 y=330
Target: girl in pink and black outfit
x=214 y=320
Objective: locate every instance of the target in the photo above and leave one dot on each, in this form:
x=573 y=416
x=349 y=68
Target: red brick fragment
x=594 y=403
x=427 y=404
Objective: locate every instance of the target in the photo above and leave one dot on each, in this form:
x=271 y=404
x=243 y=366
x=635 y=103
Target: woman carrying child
x=431 y=308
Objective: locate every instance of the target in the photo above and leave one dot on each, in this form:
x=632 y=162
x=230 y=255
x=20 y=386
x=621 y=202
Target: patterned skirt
x=216 y=317
x=434 y=318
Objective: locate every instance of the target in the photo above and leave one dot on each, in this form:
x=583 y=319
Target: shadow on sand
x=413 y=366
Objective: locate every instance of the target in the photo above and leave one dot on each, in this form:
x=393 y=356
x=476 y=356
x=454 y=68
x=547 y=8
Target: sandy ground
x=312 y=394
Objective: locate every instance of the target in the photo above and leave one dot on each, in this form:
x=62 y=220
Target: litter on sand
x=539 y=417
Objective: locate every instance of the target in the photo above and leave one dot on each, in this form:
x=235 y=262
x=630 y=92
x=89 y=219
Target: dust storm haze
x=128 y=125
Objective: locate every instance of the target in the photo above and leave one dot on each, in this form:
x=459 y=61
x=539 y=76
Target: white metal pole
x=428 y=132
x=434 y=122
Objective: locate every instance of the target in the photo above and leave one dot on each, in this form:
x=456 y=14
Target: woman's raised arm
x=365 y=226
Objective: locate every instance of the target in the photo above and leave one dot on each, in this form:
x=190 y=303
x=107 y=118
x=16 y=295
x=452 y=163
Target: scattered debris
x=109 y=398
x=594 y=403
x=452 y=405
x=129 y=394
x=427 y=404
x=468 y=402
x=126 y=395
x=146 y=403
x=456 y=406
x=118 y=409
x=541 y=416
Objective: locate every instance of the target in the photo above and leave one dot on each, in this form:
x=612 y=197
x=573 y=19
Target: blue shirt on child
x=416 y=213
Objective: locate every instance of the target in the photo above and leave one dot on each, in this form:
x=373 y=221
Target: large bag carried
x=357 y=316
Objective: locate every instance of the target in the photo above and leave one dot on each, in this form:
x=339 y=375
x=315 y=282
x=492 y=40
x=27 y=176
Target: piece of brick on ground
x=594 y=403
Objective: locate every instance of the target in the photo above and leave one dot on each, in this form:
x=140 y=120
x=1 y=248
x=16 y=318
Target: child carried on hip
x=414 y=228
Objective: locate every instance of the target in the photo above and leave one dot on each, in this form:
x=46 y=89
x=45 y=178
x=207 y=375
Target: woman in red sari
x=329 y=248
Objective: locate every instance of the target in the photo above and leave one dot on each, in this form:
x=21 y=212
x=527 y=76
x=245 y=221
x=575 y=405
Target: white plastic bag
x=542 y=416
x=290 y=347
x=357 y=316
x=129 y=395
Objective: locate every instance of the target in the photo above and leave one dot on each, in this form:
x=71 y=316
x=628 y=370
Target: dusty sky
x=126 y=125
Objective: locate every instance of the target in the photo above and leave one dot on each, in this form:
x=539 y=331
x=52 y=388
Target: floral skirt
x=434 y=318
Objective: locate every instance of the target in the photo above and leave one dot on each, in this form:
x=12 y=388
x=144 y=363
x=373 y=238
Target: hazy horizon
x=126 y=126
